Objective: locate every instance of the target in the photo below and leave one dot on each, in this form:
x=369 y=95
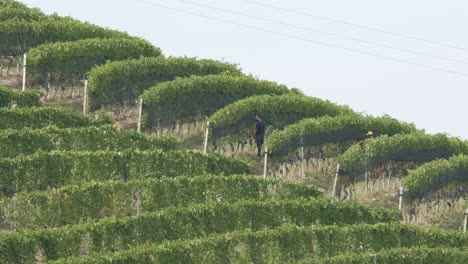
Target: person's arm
x=255 y=132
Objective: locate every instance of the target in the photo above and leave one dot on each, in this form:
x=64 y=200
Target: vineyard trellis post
x=302 y=157
x=205 y=147
x=336 y=180
x=140 y=110
x=366 y=182
x=465 y=222
x=265 y=163
x=400 y=200
x=24 y=73
x=85 y=97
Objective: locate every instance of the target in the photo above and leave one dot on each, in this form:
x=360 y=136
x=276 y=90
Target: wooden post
x=336 y=180
x=400 y=203
x=140 y=111
x=24 y=72
x=85 y=97
x=366 y=182
x=205 y=148
x=466 y=221
x=265 y=163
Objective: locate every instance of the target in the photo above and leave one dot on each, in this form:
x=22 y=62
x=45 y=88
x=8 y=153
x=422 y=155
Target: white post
x=159 y=128
x=466 y=221
x=336 y=180
x=265 y=163
x=302 y=162
x=400 y=203
x=24 y=72
x=140 y=110
x=366 y=182
x=205 y=148
x=85 y=97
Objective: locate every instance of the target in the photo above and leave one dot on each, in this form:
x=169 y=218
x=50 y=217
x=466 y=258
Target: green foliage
x=41 y=170
x=318 y=131
x=277 y=111
x=68 y=61
x=432 y=176
x=27 y=141
x=77 y=203
x=24 y=14
x=121 y=82
x=114 y=234
x=285 y=244
x=11 y=4
x=186 y=99
x=39 y=117
x=18 y=36
x=10 y=98
x=401 y=147
x=440 y=255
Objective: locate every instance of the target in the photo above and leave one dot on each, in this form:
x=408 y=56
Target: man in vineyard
x=259 y=133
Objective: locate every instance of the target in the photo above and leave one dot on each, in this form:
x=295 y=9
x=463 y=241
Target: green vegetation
x=28 y=141
x=70 y=61
x=277 y=111
x=10 y=99
x=400 y=147
x=39 y=117
x=11 y=4
x=24 y=14
x=19 y=36
x=441 y=255
x=121 y=82
x=95 y=200
x=282 y=245
x=323 y=130
x=41 y=170
x=114 y=234
x=432 y=176
x=186 y=99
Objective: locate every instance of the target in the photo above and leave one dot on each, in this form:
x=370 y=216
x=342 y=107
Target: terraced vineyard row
x=76 y=189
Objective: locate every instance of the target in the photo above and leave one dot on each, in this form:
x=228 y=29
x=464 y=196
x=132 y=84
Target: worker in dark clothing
x=259 y=133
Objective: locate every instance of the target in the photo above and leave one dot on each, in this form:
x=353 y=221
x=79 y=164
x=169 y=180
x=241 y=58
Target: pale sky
x=288 y=52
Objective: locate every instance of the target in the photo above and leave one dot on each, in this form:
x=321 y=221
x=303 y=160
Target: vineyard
x=145 y=158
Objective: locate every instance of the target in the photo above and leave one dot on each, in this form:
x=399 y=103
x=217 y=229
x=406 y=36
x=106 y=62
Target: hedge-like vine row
x=277 y=111
x=96 y=200
x=440 y=255
x=25 y=14
x=401 y=147
x=28 y=141
x=317 y=131
x=434 y=175
x=18 y=36
x=114 y=234
x=44 y=169
x=285 y=244
x=185 y=99
x=11 y=4
x=71 y=60
x=10 y=98
x=39 y=117
x=121 y=82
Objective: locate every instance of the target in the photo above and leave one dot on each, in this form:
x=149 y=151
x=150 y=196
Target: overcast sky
x=420 y=81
